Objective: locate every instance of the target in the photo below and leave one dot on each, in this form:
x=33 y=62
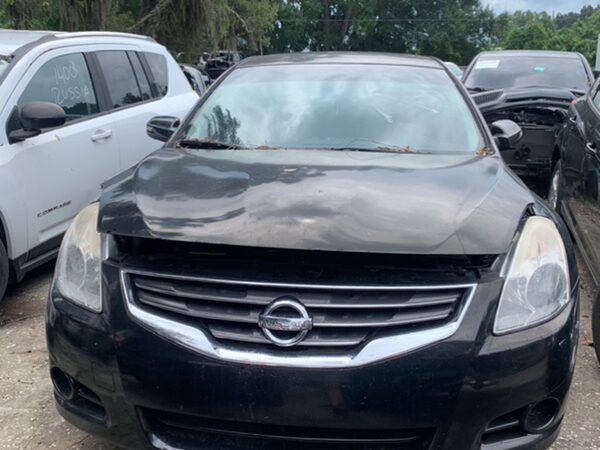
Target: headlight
x=537 y=283
x=78 y=266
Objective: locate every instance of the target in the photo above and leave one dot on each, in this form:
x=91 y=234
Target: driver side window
x=64 y=80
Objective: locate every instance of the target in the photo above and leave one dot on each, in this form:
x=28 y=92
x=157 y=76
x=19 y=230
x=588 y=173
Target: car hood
x=319 y=200
x=539 y=97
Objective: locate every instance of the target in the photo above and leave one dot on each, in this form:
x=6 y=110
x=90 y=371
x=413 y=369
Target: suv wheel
x=3 y=270
x=554 y=197
x=596 y=325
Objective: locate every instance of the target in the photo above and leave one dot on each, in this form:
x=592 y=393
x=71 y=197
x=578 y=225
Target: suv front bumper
x=469 y=391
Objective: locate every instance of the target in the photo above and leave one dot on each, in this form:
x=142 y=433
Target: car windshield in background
x=513 y=71
x=353 y=106
x=453 y=68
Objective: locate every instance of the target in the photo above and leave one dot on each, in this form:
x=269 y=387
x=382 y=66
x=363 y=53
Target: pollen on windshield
x=484 y=151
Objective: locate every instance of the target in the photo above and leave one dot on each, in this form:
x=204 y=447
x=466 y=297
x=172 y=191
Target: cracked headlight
x=536 y=273
x=78 y=267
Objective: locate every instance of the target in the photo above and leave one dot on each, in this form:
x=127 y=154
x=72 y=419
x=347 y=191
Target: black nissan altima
x=328 y=253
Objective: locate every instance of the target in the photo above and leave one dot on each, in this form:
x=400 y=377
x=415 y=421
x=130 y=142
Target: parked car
x=204 y=76
x=220 y=61
x=74 y=112
x=575 y=186
x=534 y=89
x=457 y=71
x=194 y=77
x=328 y=272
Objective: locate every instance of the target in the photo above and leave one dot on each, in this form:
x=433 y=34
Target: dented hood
x=320 y=200
x=532 y=97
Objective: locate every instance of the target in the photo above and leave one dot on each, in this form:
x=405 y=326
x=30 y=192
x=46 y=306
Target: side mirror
x=162 y=128
x=36 y=116
x=506 y=133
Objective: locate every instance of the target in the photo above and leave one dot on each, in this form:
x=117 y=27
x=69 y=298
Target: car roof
x=341 y=58
x=551 y=53
x=12 y=40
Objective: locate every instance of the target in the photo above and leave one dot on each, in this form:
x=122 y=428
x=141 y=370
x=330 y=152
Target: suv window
x=64 y=80
x=140 y=76
x=159 y=70
x=120 y=78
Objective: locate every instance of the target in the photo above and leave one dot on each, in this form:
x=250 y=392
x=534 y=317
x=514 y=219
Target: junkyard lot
x=28 y=419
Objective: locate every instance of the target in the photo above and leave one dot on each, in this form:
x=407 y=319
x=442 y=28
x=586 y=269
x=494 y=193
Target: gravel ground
x=28 y=419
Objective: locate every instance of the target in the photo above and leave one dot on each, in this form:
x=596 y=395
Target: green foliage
x=569 y=32
x=535 y=35
x=449 y=29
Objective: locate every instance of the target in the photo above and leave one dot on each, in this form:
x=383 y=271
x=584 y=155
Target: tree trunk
x=348 y=18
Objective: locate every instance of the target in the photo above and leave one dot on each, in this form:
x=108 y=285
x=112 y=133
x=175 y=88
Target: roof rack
x=76 y=34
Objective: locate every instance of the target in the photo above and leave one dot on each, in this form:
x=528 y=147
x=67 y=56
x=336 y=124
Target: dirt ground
x=28 y=419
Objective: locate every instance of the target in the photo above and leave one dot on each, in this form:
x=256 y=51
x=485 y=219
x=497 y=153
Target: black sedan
x=329 y=253
x=533 y=88
x=575 y=189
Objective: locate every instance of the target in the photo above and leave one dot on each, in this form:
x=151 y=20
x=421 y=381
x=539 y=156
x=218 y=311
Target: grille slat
x=203 y=311
x=320 y=338
x=343 y=317
x=192 y=430
x=368 y=300
x=348 y=319
x=378 y=319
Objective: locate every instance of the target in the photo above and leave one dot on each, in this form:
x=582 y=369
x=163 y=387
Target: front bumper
x=461 y=393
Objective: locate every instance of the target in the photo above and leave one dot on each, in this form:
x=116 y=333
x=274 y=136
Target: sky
x=550 y=6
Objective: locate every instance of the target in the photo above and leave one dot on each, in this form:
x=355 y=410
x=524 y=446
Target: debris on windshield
x=206 y=143
x=484 y=151
x=394 y=149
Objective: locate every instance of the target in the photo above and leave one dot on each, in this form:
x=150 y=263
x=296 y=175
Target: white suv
x=74 y=108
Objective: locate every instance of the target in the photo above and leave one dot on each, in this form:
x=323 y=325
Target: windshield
x=363 y=107
x=454 y=68
x=4 y=63
x=496 y=71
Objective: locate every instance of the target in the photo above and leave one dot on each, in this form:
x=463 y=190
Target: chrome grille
x=343 y=316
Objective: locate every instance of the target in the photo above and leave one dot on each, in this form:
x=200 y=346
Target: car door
x=583 y=156
x=579 y=121
x=138 y=94
x=61 y=169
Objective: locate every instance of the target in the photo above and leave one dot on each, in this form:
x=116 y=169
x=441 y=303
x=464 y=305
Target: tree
x=83 y=14
x=535 y=35
x=450 y=29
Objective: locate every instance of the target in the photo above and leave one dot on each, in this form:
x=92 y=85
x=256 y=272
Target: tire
x=596 y=325
x=3 y=270
x=554 y=191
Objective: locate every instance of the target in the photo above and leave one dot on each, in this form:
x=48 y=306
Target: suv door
x=62 y=168
x=135 y=98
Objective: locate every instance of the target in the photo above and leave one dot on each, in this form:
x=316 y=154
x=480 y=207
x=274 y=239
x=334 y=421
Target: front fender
x=13 y=204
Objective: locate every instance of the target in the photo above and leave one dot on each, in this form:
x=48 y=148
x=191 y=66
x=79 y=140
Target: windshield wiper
x=380 y=148
x=207 y=144
x=478 y=89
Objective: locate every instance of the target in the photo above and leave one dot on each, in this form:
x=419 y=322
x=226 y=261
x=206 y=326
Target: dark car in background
x=195 y=77
x=534 y=89
x=220 y=61
x=575 y=188
x=329 y=253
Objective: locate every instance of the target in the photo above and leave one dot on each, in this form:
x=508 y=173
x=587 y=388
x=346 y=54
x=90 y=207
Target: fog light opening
x=63 y=385
x=540 y=416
